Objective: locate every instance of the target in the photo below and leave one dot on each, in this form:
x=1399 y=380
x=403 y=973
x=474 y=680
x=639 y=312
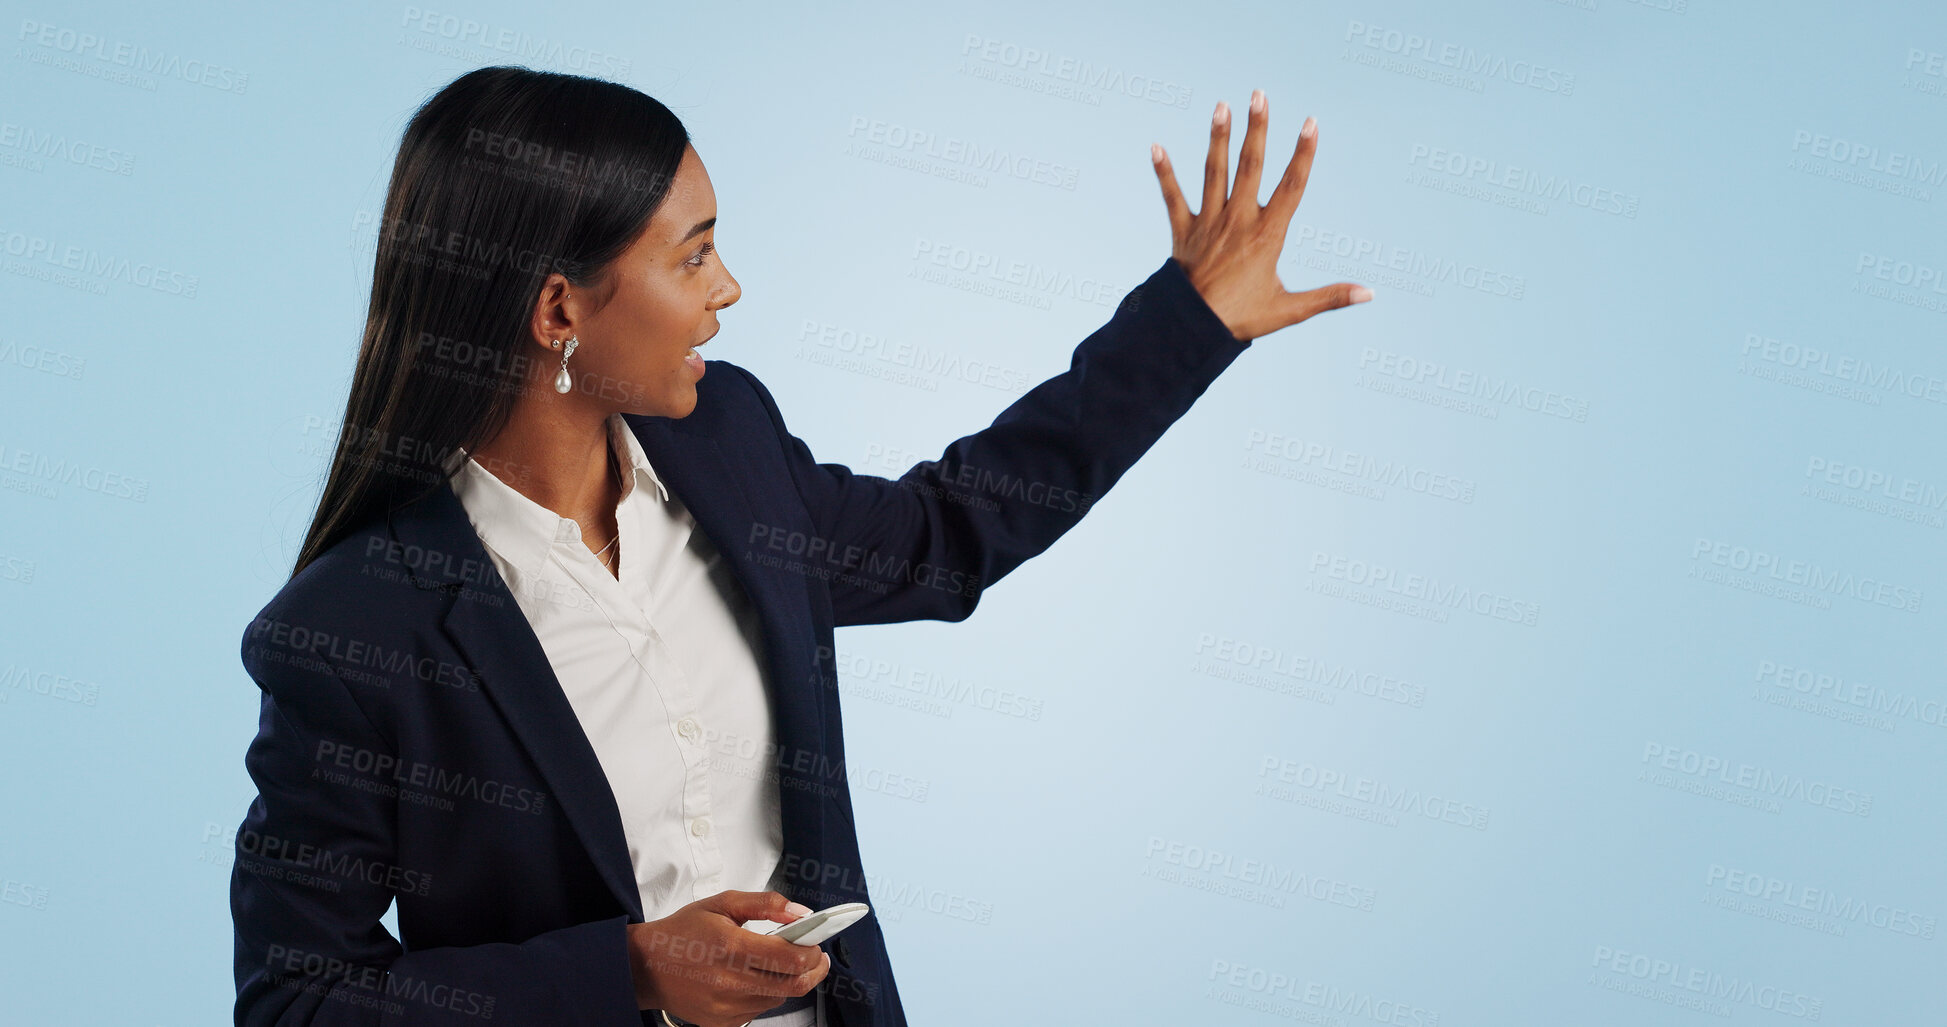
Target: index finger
x=1173 y=203
x=1291 y=187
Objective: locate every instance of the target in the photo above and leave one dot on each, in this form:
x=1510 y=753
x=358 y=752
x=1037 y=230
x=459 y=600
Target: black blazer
x=414 y=744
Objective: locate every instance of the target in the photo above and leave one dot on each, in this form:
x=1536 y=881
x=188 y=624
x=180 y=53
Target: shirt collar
x=634 y=459
x=521 y=530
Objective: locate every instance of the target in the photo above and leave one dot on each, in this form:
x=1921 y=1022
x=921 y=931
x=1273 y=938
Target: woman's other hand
x=701 y=964
x=1230 y=247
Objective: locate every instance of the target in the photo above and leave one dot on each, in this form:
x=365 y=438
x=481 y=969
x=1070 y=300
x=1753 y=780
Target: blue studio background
x=1555 y=639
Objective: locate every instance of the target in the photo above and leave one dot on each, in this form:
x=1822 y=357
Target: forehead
x=690 y=200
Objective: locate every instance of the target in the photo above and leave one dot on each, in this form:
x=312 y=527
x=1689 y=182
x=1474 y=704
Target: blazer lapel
x=488 y=627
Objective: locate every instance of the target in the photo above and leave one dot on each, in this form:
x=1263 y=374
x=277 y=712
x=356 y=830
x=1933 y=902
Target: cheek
x=650 y=324
x=654 y=311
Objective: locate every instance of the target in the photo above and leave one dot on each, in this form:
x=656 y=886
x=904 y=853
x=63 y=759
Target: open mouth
x=692 y=357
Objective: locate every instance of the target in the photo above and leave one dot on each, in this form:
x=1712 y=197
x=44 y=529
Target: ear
x=555 y=309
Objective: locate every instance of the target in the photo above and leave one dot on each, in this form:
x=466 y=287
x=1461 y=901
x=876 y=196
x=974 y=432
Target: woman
x=553 y=669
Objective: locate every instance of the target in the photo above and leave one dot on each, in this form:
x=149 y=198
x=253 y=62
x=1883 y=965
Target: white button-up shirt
x=662 y=664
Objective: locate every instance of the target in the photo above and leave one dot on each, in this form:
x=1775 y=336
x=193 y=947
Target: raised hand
x=1230 y=246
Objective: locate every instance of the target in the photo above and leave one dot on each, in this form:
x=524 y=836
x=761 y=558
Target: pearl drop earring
x=563 y=383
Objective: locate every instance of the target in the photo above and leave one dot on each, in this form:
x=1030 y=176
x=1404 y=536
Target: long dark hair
x=504 y=176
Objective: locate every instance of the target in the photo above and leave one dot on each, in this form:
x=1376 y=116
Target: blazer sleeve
x=308 y=953
x=922 y=547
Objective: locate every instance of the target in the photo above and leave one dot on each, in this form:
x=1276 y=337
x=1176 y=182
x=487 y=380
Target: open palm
x=1230 y=246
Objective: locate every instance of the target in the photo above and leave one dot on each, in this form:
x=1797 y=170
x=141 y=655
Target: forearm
x=925 y=546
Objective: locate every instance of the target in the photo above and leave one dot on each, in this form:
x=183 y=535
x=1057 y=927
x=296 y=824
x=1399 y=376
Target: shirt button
x=700 y=827
x=688 y=729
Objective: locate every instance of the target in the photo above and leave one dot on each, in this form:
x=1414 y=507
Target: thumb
x=754 y=905
x=1311 y=302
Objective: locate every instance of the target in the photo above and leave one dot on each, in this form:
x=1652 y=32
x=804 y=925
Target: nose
x=726 y=292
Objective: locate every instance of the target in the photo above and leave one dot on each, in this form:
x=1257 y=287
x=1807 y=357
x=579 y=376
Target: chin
x=678 y=404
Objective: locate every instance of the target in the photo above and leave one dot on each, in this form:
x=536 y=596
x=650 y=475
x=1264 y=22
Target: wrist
x=648 y=993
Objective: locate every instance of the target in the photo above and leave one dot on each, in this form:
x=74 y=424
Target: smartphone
x=810 y=930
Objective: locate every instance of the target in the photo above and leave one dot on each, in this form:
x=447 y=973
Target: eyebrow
x=700 y=227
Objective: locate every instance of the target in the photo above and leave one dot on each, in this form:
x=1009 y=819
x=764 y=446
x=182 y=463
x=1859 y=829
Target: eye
x=697 y=261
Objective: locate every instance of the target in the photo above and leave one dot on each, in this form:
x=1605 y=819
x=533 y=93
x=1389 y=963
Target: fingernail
x=1257 y=101
x=1155 y=153
x=797 y=910
x=1222 y=115
x=1310 y=129
x=1360 y=294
